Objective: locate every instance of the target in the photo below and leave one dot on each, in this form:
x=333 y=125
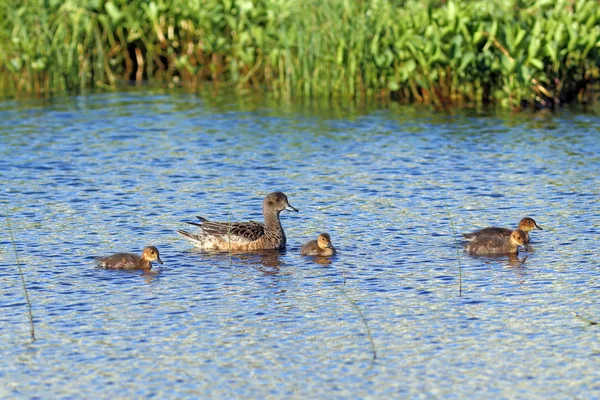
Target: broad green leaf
x=536 y=62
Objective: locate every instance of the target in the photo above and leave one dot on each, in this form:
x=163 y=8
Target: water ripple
x=394 y=187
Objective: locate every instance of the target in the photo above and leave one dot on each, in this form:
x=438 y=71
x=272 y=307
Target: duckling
x=497 y=244
x=244 y=236
x=131 y=261
x=320 y=247
x=526 y=225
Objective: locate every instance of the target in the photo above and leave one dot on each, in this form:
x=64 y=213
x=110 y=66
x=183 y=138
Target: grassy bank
x=511 y=52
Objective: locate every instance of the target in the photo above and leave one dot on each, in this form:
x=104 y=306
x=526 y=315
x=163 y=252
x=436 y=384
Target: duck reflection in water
x=511 y=260
x=515 y=261
x=325 y=261
x=267 y=258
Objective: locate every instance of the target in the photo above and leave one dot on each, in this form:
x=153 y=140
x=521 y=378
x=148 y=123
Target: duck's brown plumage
x=244 y=236
x=131 y=261
x=250 y=230
x=526 y=225
x=497 y=244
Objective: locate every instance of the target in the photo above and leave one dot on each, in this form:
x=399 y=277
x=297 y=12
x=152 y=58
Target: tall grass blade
x=445 y=53
x=362 y=318
x=12 y=239
x=229 y=234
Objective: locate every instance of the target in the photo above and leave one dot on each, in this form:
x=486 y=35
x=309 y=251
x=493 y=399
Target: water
x=93 y=175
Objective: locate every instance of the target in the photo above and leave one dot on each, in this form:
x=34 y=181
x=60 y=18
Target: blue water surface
x=393 y=185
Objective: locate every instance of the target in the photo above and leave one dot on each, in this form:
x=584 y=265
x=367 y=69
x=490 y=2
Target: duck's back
x=242 y=232
x=310 y=248
x=489 y=233
x=119 y=261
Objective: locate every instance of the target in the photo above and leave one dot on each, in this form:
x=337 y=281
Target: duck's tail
x=197 y=240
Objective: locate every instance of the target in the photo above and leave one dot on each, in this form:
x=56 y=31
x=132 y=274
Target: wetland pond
x=394 y=186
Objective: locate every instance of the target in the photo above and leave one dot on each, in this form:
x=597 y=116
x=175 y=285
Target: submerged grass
x=363 y=320
x=12 y=239
x=360 y=313
x=585 y=319
x=441 y=52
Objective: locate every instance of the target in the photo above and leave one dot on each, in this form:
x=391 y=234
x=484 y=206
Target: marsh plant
x=443 y=52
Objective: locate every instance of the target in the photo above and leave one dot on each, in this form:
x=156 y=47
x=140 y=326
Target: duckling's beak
x=538 y=227
x=158 y=260
x=329 y=245
x=290 y=208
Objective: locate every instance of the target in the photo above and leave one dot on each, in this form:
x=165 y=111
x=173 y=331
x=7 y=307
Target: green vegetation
x=443 y=52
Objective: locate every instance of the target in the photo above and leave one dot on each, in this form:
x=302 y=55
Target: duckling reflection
x=515 y=261
x=325 y=261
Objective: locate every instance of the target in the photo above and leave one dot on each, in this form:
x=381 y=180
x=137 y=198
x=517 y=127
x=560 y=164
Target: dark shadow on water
x=512 y=260
x=258 y=258
x=324 y=261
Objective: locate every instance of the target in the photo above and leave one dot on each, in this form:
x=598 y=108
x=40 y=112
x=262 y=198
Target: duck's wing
x=491 y=232
x=239 y=232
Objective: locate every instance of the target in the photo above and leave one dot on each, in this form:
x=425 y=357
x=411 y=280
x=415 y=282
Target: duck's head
x=278 y=202
x=518 y=237
x=324 y=241
x=150 y=253
x=528 y=224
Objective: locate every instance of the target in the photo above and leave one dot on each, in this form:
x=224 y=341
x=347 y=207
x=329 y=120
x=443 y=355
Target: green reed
x=363 y=319
x=12 y=239
x=229 y=226
x=441 y=52
x=457 y=246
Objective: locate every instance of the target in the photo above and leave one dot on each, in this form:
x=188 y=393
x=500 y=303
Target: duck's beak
x=329 y=245
x=537 y=227
x=158 y=260
x=290 y=208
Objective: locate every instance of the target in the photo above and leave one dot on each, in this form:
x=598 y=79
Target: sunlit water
x=394 y=186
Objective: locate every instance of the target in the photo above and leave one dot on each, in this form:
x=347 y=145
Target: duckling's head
x=518 y=237
x=150 y=253
x=324 y=241
x=528 y=224
x=278 y=202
